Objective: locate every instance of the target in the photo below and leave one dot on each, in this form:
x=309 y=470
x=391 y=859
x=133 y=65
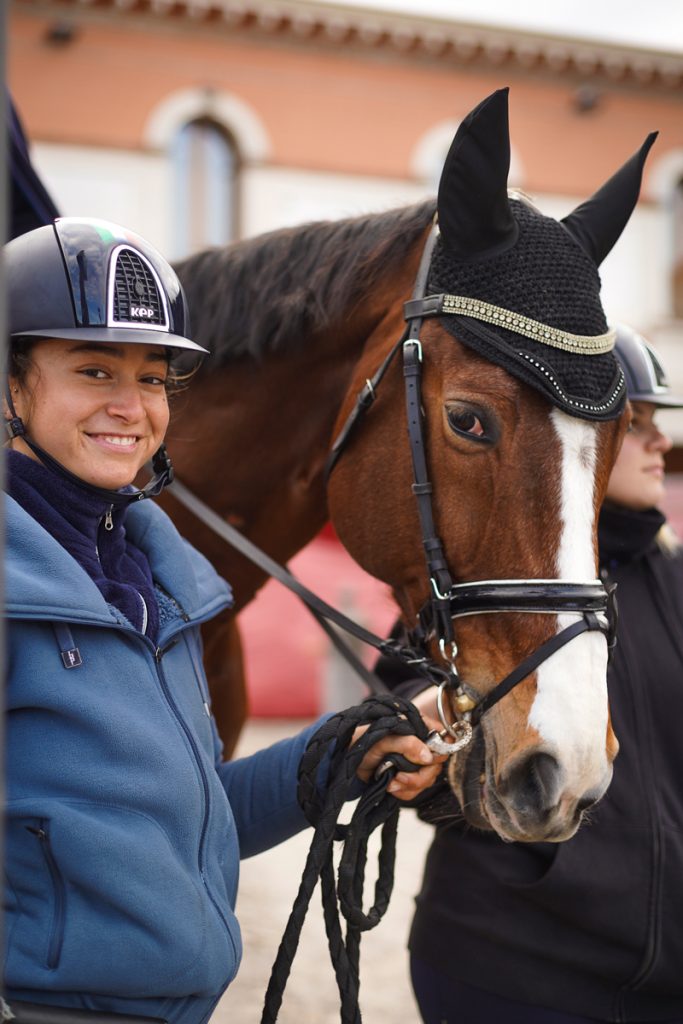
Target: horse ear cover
x=499 y=249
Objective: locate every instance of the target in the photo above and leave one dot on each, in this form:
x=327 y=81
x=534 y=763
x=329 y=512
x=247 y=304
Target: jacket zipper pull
x=108 y=521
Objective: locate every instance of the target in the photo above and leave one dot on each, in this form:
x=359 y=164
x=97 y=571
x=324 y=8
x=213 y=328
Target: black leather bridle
x=448 y=600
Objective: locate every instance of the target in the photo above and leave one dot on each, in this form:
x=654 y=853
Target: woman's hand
x=425 y=702
x=404 y=785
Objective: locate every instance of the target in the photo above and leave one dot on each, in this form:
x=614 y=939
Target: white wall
x=133 y=189
x=280 y=197
x=129 y=188
x=634 y=275
x=636 y=288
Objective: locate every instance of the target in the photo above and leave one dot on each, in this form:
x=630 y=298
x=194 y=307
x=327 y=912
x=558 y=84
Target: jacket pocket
x=101 y=900
x=44 y=900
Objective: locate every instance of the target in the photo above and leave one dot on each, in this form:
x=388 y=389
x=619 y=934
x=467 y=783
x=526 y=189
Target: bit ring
x=437 y=743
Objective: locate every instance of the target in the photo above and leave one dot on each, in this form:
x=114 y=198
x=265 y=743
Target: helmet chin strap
x=161 y=466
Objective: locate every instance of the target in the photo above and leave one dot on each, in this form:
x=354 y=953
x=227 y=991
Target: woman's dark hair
x=20 y=357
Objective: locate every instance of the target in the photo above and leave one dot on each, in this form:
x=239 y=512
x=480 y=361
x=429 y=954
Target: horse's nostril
x=533 y=785
x=546 y=772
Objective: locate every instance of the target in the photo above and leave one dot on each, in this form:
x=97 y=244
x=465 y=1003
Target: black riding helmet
x=85 y=278
x=645 y=377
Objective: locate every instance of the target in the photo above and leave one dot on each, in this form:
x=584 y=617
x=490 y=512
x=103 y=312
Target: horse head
x=513 y=428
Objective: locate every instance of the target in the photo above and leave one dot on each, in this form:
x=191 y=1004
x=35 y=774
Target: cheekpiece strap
x=437 y=566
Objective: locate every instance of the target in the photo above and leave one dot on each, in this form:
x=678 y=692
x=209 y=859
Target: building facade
x=198 y=122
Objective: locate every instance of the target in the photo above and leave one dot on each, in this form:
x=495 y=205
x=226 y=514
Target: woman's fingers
x=408 y=785
x=405 y=785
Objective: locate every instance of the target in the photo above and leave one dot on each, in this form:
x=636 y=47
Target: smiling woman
x=85 y=295
x=101 y=410
x=124 y=824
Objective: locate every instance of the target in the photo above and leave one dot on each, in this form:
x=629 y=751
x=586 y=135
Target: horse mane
x=257 y=296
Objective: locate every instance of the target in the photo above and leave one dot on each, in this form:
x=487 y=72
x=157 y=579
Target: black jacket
x=30 y=204
x=594 y=925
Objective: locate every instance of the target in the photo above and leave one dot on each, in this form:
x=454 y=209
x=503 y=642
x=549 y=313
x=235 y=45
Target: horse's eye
x=464 y=421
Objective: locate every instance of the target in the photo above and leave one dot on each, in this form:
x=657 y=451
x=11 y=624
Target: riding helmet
x=645 y=377
x=82 y=277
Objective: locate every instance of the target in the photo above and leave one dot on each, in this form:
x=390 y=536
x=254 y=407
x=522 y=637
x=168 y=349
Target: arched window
x=677 y=269
x=205 y=186
x=429 y=155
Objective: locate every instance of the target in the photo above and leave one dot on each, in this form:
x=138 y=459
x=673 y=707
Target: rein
x=332 y=751
x=466 y=599
x=447 y=600
x=389 y=714
x=376 y=809
x=320 y=609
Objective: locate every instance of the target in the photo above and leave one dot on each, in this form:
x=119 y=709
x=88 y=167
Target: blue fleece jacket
x=124 y=829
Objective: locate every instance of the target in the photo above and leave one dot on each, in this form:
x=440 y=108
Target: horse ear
x=474 y=212
x=597 y=223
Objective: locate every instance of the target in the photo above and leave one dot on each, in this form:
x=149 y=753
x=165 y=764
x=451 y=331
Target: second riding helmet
x=645 y=377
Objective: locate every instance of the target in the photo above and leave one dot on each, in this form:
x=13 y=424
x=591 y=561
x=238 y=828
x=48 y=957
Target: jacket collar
x=624 y=534
x=44 y=581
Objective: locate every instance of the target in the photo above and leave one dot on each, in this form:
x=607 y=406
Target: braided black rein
x=385 y=715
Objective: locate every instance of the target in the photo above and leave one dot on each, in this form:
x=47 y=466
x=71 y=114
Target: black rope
x=330 y=748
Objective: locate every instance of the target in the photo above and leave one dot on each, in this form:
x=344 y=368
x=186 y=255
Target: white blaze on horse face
x=570 y=708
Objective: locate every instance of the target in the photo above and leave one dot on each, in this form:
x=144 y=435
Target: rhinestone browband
x=585 y=345
x=586 y=404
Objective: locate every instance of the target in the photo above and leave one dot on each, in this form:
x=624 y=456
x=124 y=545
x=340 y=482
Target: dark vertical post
x=4 y=221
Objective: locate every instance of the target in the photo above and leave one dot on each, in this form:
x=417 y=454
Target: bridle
x=448 y=600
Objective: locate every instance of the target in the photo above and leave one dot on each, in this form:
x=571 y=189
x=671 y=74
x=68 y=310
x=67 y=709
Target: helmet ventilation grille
x=137 y=299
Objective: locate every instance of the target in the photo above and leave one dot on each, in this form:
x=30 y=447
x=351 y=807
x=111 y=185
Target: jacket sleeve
x=262 y=788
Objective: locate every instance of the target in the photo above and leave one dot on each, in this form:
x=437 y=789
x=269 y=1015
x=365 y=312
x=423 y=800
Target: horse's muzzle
x=528 y=803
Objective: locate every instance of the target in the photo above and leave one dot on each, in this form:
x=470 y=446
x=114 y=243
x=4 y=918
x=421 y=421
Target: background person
x=124 y=827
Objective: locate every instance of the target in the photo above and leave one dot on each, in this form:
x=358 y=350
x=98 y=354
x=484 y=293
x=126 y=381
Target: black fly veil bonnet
x=523 y=289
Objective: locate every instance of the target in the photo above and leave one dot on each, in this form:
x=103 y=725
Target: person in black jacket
x=30 y=204
x=590 y=929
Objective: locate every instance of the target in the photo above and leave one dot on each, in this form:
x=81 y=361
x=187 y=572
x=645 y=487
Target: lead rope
x=343 y=897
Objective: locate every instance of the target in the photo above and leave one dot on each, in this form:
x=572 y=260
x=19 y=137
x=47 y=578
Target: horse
x=515 y=451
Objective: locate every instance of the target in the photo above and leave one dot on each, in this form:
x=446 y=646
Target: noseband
x=448 y=600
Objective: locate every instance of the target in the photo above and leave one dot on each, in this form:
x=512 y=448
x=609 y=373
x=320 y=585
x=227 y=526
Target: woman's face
x=100 y=410
x=637 y=480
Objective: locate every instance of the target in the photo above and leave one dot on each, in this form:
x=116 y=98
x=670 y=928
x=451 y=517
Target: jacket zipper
x=650 y=957
x=198 y=674
x=143 y=628
x=108 y=525
x=650 y=952
x=159 y=653
x=108 y=522
x=54 y=948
